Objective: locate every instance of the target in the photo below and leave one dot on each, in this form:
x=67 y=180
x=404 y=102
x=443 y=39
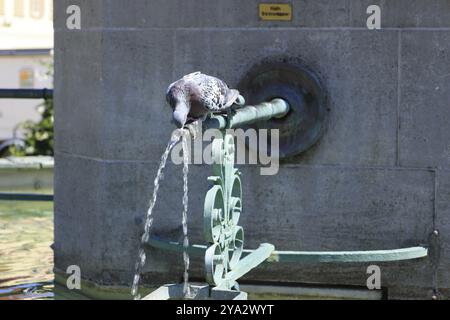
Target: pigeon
x=196 y=95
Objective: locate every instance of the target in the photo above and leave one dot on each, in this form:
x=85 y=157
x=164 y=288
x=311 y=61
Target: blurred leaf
x=38 y=135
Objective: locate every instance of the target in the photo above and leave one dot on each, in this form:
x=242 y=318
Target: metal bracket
x=222 y=210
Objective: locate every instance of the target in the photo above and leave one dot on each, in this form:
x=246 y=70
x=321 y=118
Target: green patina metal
x=276 y=108
x=225 y=258
x=222 y=210
x=308 y=256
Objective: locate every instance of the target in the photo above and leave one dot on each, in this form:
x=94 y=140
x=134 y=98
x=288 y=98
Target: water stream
x=186 y=290
x=140 y=263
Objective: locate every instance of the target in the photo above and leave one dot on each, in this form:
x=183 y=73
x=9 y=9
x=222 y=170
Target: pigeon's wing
x=215 y=94
x=179 y=84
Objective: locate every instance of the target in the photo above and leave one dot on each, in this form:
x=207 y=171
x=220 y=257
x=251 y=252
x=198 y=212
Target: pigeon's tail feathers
x=231 y=97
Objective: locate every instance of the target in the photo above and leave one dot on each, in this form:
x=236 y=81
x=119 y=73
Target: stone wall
x=378 y=179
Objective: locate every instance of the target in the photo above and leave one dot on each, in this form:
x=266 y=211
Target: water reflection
x=26 y=259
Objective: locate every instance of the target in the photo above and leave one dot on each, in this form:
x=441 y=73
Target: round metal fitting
x=303 y=126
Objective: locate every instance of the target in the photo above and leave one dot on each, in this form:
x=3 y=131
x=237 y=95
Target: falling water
x=149 y=218
x=186 y=291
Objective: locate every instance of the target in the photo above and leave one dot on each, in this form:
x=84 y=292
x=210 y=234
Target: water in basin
x=26 y=259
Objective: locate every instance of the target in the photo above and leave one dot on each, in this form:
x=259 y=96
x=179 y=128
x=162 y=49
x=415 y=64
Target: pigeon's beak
x=180 y=116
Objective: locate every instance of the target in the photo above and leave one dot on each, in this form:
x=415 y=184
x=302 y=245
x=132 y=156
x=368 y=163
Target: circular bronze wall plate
x=300 y=87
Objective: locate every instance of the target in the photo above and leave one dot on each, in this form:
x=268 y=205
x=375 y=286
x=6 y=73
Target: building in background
x=26 y=46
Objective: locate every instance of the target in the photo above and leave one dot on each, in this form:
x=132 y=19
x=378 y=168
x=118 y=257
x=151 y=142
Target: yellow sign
x=275 y=11
x=26 y=78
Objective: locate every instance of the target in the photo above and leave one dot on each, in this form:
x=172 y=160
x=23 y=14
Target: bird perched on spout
x=196 y=95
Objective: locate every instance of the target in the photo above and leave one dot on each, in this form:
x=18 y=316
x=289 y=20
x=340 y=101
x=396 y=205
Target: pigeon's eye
x=171 y=99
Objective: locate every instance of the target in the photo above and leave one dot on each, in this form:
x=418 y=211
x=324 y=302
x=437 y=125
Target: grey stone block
x=336 y=209
x=100 y=212
x=137 y=72
x=443 y=226
x=244 y=14
x=400 y=280
x=347 y=193
x=78 y=89
x=221 y=14
x=119 y=112
x=78 y=218
x=358 y=69
x=403 y=13
x=425 y=93
x=92 y=12
x=331 y=209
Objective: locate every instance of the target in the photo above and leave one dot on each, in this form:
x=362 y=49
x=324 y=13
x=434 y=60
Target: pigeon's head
x=179 y=106
x=180 y=114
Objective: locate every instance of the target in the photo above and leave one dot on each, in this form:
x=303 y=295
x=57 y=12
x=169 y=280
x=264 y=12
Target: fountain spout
x=277 y=108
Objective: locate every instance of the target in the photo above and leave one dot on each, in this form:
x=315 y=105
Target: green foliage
x=38 y=135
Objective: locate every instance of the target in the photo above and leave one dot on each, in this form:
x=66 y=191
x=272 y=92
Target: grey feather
x=202 y=94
